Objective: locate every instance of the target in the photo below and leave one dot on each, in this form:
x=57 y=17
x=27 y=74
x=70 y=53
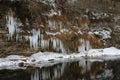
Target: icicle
x=88 y=46
x=17 y=31
x=34 y=38
x=11 y=24
x=57 y=45
x=44 y=43
x=60 y=23
x=54 y=43
x=62 y=47
x=85 y=46
x=59 y=13
x=81 y=48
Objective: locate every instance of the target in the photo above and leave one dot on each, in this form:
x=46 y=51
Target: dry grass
x=11 y=12
x=61 y=36
x=47 y=37
x=75 y=44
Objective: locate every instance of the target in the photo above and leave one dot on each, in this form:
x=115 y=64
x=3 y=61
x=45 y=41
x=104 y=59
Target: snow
x=51 y=33
x=50 y=2
x=52 y=12
x=104 y=52
x=104 y=33
x=48 y=58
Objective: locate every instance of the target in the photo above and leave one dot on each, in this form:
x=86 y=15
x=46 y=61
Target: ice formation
x=85 y=45
x=44 y=43
x=37 y=38
x=11 y=25
x=58 y=45
x=53 y=27
x=34 y=39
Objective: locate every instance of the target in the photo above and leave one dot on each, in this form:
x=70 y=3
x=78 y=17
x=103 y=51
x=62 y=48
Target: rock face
x=63 y=26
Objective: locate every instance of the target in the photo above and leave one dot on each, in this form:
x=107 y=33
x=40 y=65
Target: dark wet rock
x=21 y=64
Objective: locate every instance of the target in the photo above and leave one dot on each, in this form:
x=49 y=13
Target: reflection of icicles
x=35 y=76
x=52 y=73
x=34 y=38
x=11 y=24
x=59 y=71
x=86 y=65
x=85 y=46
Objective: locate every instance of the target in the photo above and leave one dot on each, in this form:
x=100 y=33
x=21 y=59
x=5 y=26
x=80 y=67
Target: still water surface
x=75 y=70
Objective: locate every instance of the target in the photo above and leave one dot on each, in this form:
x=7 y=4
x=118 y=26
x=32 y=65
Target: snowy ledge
x=48 y=58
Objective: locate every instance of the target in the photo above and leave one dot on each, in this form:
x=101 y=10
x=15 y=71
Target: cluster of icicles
x=36 y=39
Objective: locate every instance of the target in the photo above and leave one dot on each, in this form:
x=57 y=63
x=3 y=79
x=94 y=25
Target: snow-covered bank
x=48 y=58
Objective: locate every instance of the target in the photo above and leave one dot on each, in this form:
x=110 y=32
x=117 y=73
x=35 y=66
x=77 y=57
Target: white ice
x=46 y=58
x=34 y=39
x=85 y=46
x=11 y=24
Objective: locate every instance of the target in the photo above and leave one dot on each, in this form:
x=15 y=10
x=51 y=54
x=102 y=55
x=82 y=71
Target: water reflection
x=48 y=73
x=77 y=70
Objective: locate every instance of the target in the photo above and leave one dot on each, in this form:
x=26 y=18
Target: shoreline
x=49 y=58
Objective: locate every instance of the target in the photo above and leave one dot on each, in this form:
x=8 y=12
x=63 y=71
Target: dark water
x=76 y=70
